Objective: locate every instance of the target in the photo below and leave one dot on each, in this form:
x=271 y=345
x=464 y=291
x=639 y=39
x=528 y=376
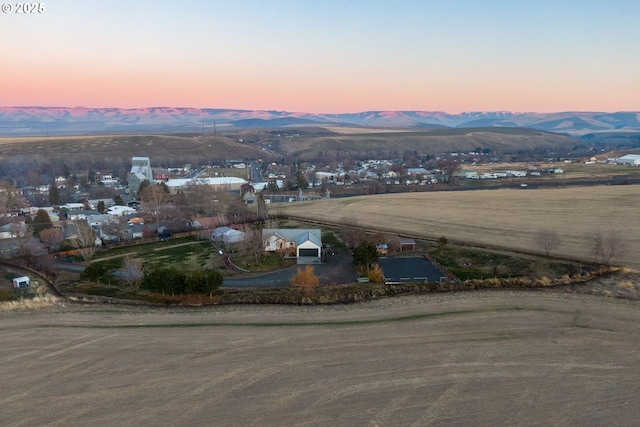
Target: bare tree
x=52 y=238
x=132 y=271
x=10 y=198
x=448 y=168
x=547 y=240
x=115 y=227
x=606 y=246
x=200 y=198
x=154 y=200
x=263 y=214
x=84 y=240
x=351 y=233
x=153 y=197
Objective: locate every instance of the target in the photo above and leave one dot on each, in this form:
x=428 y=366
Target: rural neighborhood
x=320 y=213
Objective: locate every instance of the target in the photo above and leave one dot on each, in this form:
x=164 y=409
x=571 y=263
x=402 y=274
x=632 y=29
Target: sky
x=324 y=56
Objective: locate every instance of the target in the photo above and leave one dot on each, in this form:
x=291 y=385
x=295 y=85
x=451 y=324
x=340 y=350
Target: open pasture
x=503 y=218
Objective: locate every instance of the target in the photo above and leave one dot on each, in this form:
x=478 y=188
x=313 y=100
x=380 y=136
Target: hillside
x=429 y=141
x=307 y=142
x=30 y=121
x=173 y=149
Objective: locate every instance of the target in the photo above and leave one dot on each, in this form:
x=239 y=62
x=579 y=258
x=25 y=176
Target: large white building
x=629 y=159
x=227 y=183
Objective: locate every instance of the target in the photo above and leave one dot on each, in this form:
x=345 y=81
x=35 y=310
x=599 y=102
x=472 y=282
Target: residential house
x=416 y=171
x=118 y=210
x=303 y=244
x=13 y=230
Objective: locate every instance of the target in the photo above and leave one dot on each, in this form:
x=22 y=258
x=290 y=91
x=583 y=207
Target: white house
x=13 y=230
x=416 y=171
x=118 y=210
x=330 y=177
x=304 y=244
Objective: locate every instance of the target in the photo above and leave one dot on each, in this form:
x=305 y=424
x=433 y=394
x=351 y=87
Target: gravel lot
x=484 y=358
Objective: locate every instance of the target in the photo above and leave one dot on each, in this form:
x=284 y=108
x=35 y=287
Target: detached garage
x=309 y=247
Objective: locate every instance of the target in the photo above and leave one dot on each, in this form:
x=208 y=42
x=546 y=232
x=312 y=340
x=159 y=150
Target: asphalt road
x=337 y=270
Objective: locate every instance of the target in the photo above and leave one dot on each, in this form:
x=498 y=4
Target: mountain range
x=37 y=121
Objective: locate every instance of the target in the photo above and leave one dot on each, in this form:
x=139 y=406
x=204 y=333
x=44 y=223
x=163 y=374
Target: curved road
x=339 y=269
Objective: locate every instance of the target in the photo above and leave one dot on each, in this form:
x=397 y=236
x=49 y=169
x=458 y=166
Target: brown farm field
x=487 y=358
x=502 y=218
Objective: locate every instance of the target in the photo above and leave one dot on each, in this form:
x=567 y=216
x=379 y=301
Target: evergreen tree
x=301 y=181
x=41 y=222
x=272 y=187
x=54 y=195
x=364 y=255
x=101 y=206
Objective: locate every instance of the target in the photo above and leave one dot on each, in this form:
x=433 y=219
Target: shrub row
x=341 y=294
x=173 y=281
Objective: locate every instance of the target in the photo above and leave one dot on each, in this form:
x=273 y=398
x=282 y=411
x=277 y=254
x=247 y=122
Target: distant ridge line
x=38 y=120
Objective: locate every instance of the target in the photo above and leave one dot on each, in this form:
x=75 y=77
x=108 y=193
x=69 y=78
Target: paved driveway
x=337 y=270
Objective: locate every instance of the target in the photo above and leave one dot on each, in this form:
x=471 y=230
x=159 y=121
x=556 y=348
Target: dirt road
x=487 y=358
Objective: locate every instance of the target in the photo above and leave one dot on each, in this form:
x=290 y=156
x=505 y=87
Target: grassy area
x=218 y=172
x=187 y=251
x=471 y=263
x=263 y=263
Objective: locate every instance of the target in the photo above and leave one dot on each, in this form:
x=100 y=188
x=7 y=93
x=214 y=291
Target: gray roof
x=308 y=235
x=293 y=234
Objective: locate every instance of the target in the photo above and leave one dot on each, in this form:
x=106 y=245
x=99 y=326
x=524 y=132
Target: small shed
x=227 y=235
x=407 y=244
x=21 y=282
